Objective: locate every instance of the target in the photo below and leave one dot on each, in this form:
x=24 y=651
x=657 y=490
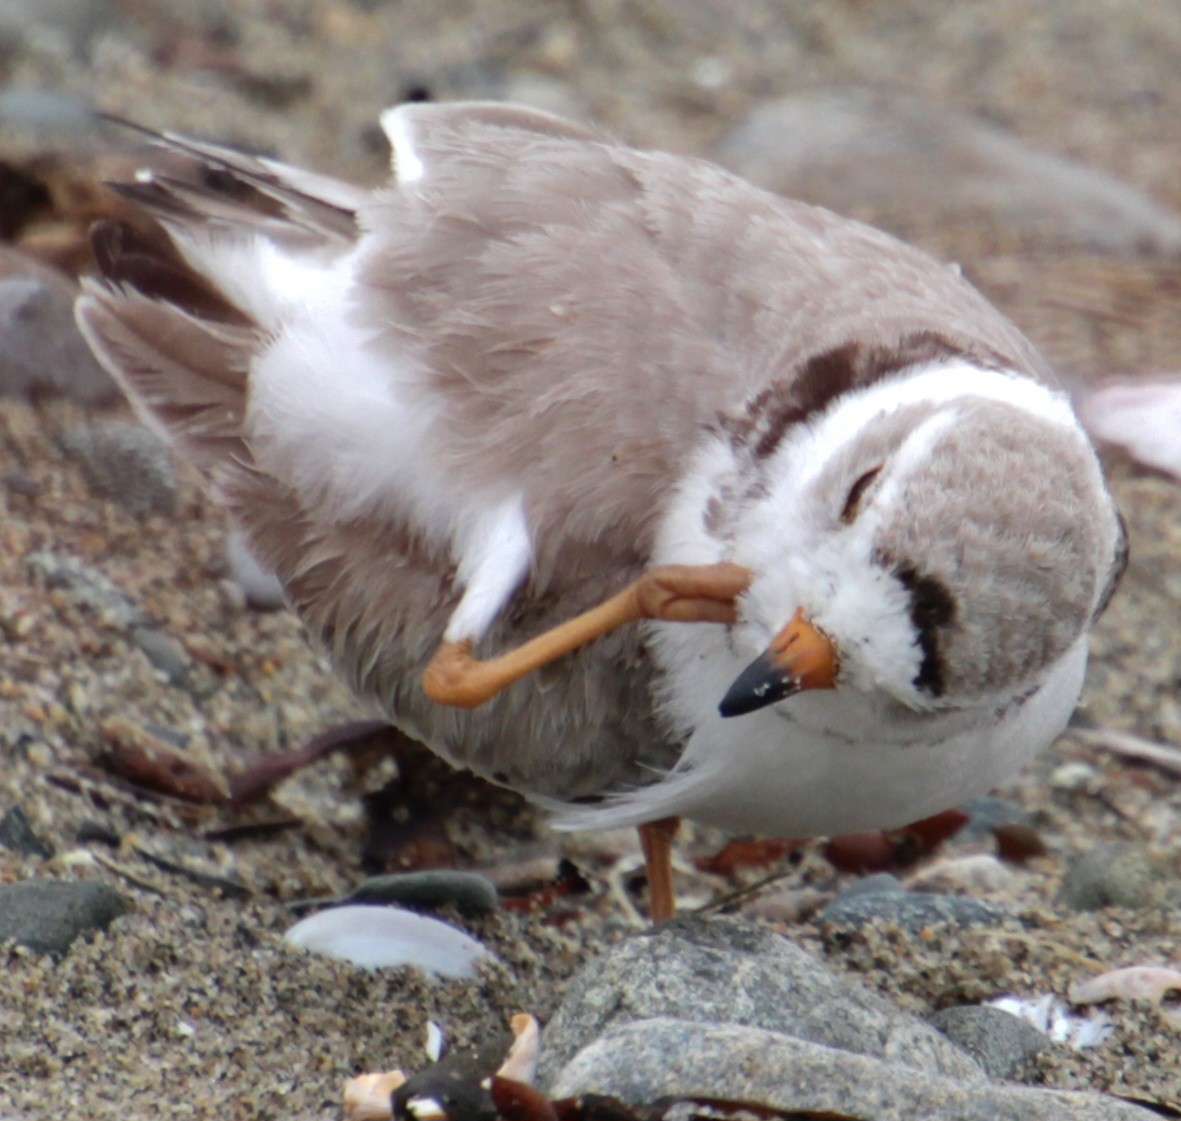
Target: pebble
x=880 y=883
x=912 y=911
x=47 y=915
x=41 y=351
x=669 y=1058
x=1117 y=875
x=376 y=937
x=1003 y=1044
x=724 y=970
x=164 y=652
x=89 y=588
x=17 y=835
x=979 y=873
x=127 y=463
x=889 y=156
x=988 y=811
x=471 y=893
x=1075 y=777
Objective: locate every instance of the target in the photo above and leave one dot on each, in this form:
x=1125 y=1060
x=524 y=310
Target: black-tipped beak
x=757 y=686
x=800 y=657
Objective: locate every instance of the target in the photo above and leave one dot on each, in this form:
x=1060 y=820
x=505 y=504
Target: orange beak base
x=800 y=657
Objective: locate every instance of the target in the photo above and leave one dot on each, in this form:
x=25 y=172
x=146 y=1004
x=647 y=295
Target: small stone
x=1075 y=777
x=127 y=463
x=47 y=915
x=164 y=652
x=988 y=811
x=1003 y=1044
x=471 y=893
x=41 y=350
x=1108 y=876
x=17 y=834
x=976 y=874
x=880 y=883
x=912 y=911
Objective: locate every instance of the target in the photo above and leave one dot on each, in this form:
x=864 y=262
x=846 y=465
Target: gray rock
x=127 y=463
x=988 y=811
x=471 y=893
x=17 y=834
x=880 y=883
x=41 y=350
x=89 y=588
x=1003 y=1044
x=910 y=910
x=887 y=157
x=728 y=971
x=642 y=1062
x=47 y=915
x=1108 y=876
x=164 y=652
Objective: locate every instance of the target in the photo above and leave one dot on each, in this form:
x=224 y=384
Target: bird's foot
x=674 y=593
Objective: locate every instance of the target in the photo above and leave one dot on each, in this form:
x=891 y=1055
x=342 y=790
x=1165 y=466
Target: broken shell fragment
x=367 y=1097
x=520 y=1064
x=1136 y=982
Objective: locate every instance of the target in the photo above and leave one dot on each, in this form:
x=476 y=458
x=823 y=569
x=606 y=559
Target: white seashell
x=375 y=937
x=367 y=1097
x=434 y=1041
x=1136 y=982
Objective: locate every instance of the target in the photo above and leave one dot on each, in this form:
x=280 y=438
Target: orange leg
x=676 y=593
x=656 y=839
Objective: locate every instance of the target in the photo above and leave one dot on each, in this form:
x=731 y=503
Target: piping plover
x=621 y=481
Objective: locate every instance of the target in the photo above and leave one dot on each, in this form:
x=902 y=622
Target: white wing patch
x=353 y=430
x=493 y=559
x=396 y=124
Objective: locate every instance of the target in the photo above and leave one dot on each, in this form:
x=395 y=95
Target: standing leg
x=656 y=843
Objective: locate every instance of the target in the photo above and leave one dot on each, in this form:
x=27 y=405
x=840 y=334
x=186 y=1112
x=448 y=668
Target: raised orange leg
x=656 y=839
x=675 y=593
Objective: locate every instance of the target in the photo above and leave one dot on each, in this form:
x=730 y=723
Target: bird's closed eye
x=856 y=491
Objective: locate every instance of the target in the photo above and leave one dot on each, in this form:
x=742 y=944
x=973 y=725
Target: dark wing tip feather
x=152 y=267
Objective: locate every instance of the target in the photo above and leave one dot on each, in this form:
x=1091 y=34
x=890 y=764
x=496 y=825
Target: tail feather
x=185 y=376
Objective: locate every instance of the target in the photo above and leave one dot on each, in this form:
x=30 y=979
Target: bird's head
x=934 y=552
